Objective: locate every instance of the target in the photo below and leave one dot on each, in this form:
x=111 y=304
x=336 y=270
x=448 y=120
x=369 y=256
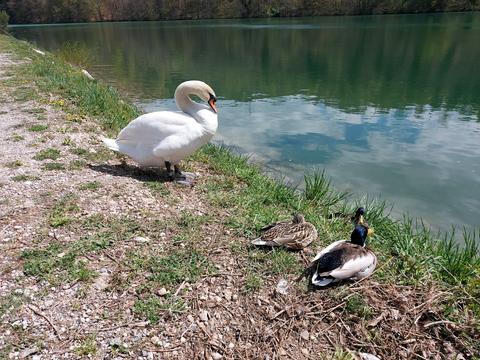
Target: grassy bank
x=412 y=259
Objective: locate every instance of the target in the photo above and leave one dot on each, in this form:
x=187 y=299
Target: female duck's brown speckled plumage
x=295 y=234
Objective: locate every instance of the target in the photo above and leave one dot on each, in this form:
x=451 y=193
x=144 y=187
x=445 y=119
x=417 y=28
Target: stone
x=162 y=292
x=216 y=356
x=27 y=352
x=304 y=335
x=203 y=315
x=156 y=340
x=282 y=287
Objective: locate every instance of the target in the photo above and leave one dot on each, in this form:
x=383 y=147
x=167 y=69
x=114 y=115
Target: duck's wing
x=293 y=236
x=345 y=261
x=272 y=225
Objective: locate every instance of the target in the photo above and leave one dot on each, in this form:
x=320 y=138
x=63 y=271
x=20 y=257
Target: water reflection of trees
x=349 y=62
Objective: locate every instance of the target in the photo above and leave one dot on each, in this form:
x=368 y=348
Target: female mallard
x=295 y=234
x=344 y=259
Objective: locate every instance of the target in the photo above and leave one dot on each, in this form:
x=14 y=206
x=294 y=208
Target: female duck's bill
x=344 y=260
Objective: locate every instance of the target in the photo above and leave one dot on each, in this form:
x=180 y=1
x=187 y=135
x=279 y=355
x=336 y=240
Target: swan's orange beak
x=212 y=102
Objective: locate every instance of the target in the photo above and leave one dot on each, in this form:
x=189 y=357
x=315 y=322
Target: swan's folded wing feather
x=154 y=127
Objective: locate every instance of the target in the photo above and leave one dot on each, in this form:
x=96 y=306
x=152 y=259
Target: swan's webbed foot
x=183 y=177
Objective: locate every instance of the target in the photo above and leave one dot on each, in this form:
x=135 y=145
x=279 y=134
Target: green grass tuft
x=53 y=166
x=76 y=53
x=92 y=185
x=174 y=268
x=52 y=154
x=253 y=282
x=356 y=305
x=14 y=164
x=24 y=177
x=318 y=189
x=60 y=214
x=87 y=347
x=17 y=138
x=38 y=127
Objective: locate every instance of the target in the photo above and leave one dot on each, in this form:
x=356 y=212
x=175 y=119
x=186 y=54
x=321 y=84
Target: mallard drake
x=344 y=259
x=295 y=234
x=164 y=138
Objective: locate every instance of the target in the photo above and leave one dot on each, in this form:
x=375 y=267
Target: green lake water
x=388 y=105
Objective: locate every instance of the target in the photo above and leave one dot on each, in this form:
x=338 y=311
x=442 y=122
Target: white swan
x=164 y=138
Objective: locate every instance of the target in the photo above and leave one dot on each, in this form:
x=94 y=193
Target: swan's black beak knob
x=212 y=102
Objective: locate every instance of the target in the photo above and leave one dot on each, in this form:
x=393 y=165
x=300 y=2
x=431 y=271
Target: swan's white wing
x=154 y=127
x=352 y=267
x=329 y=248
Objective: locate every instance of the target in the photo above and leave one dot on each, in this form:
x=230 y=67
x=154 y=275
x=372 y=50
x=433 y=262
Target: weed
x=38 y=127
x=174 y=268
x=59 y=263
x=253 y=282
x=79 y=151
x=17 y=138
x=24 y=177
x=276 y=261
x=77 y=164
x=4 y=18
x=152 y=307
x=157 y=188
x=35 y=111
x=87 y=347
x=11 y=302
x=14 y=164
x=22 y=94
x=356 y=305
x=52 y=154
x=53 y=166
x=60 y=213
x=319 y=190
x=76 y=53
x=92 y=185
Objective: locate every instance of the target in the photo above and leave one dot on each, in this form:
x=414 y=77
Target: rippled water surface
x=388 y=105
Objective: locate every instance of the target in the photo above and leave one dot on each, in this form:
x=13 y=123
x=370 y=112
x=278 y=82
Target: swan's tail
x=110 y=143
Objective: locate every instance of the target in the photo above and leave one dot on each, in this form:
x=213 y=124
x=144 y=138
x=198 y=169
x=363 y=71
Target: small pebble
x=162 y=292
x=304 y=335
x=216 y=356
x=203 y=315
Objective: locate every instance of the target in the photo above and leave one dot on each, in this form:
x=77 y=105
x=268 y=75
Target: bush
x=3 y=20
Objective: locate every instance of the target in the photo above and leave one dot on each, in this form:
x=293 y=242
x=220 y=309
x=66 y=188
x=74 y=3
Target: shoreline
x=100 y=232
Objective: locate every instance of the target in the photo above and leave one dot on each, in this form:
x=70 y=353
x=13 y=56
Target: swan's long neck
x=183 y=100
x=201 y=113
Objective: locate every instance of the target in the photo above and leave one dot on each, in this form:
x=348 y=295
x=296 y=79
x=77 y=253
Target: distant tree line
x=54 y=11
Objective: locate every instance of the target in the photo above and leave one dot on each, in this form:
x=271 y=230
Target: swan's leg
x=168 y=165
